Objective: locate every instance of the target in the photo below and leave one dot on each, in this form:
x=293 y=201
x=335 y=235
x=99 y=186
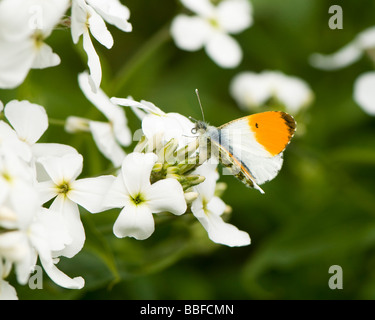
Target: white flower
x=139 y=199
x=68 y=192
x=364 y=93
x=210 y=28
x=347 y=55
x=22 y=247
x=253 y=90
x=88 y=18
x=158 y=124
x=24 y=25
x=108 y=136
x=208 y=208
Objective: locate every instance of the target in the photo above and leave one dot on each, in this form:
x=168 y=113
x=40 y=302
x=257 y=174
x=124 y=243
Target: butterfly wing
x=252 y=147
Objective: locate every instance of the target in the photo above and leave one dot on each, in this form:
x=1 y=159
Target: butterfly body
x=251 y=148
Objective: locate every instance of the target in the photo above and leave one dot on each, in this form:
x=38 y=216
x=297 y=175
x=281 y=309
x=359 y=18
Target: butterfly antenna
x=200 y=104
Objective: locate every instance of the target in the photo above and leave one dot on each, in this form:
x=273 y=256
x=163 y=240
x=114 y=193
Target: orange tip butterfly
x=250 y=147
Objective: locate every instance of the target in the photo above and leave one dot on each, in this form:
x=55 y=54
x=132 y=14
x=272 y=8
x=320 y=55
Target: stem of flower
x=56 y=122
x=144 y=53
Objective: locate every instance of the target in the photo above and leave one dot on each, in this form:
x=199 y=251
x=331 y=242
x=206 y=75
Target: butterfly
x=250 y=147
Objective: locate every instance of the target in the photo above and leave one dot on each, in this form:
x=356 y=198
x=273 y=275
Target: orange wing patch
x=273 y=130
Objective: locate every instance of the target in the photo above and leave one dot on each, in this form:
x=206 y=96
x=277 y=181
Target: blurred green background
x=318 y=212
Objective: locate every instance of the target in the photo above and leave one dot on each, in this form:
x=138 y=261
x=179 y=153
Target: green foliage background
x=318 y=212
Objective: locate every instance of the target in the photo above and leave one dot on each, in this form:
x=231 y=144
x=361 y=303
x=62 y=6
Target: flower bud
x=185 y=153
x=166 y=154
x=157 y=167
x=190 y=197
x=77 y=124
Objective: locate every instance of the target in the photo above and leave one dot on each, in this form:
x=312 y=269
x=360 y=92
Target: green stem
x=144 y=53
x=56 y=122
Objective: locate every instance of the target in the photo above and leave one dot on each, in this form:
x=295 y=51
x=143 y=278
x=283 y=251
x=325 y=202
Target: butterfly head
x=200 y=127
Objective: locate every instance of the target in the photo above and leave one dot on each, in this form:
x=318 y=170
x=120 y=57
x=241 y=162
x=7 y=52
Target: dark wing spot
x=290 y=122
x=256 y=125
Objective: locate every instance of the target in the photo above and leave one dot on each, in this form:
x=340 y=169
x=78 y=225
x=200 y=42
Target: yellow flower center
x=137 y=200
x=63 y=188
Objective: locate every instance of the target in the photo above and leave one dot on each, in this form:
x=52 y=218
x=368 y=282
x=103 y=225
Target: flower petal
x=147 y=106
x=293 y=92
x=55 y=228
x=117 y=195
x=52 y=149
x=10 y=141
x=364 y=93
x=78 y=19
x=114 y=12
x=218 y=230
x=136 y=171
x=206 y=189
x=40 y=150
x=216 y=206
x=190 y=33
x=13 y=246
x=134 y=221
x=45 y=57
x=63 y=169
x=250 y=90
x=202 y=7
x=340 y=59
x=46 y=191
x=16 y=59
x=225 y=233
x=166 y=195
x=93 y=62
x=234 y=16
x=113 y=112
x=99 y=98
x=366 y=39
x=105 y=141
x=89 y=193
x=98 y=29
x=71 y=217
x=166 y=126
x=61 y=278
x=29 y=120
x=224 y=50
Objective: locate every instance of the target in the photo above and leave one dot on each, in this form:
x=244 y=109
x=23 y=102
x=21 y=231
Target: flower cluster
x=40 y=194
x=166 y=173
x=25 y=25
x=210 y=28
x=363 y=43
x=31 y=174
